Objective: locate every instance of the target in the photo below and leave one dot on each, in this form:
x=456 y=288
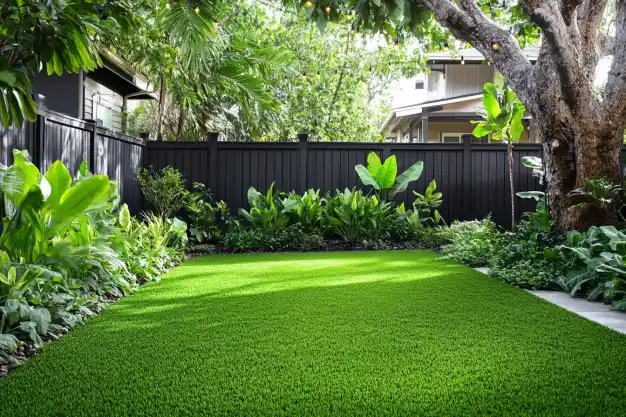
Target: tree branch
x=468 y=23
x=594 y=43
x=563 y=40
x=615 y=93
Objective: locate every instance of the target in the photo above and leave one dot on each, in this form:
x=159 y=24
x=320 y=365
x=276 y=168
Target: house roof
x=471 y=55
x=417 y=109
x=121 y=77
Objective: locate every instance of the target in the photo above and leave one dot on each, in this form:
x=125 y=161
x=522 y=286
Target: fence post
x=93 y=137
x=467 y=178
x=213 y=162
x=40 y=141
x=303 y=139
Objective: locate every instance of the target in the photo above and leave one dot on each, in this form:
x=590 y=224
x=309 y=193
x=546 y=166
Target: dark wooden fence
x=474 y=179
x=58 y=137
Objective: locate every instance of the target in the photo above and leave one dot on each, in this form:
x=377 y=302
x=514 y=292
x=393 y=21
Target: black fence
x=58 y=137
x=474 y=179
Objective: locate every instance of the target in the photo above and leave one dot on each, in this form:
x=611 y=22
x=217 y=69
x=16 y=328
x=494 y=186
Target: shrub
x=595 y=267
x=471 y=242
x=266 y=211
x=289 y=238
x=527 y=257
x=205 y=215
x=164 y=190
x=306 y=210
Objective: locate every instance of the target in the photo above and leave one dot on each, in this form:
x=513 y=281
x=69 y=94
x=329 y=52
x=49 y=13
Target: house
x=438 y=107
x=100 y=95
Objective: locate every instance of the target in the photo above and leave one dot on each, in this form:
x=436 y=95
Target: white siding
x=467 y=79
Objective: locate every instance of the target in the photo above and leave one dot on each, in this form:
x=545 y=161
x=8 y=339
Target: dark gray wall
x=473 y=178
x=63 y=94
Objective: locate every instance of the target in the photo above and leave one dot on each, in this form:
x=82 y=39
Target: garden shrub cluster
x=67 y=249
x=588 y=264
x=279 y=221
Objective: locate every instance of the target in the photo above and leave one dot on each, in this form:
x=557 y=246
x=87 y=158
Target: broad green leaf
x=366 y=177
x=373 y=163
x=532 y=162
x=517 y=126
x=403 y=180
x=60 y=180
x=123 y=217
x=536 y=195
x=79 y=198
x=386 y=175
x=41 y=318
x=490 y=101
x=482 y=129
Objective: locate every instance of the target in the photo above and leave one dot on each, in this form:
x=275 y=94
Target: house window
x=104 y=115
x=419 y=84
x=483 y=140
x=451 y=137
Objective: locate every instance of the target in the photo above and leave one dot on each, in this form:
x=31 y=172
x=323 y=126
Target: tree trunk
x=511 y=182
x=161 y=108
x=181 y=123
x=573 y=152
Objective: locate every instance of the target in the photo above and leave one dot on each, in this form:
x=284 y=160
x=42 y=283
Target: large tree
x=581 y=127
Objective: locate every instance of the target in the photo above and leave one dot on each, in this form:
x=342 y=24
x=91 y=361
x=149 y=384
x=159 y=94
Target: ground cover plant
x=325 y=333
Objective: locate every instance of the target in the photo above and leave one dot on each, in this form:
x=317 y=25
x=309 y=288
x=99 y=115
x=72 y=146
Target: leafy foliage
x=60 y=36
x=472 y=242
x=67 y=249
x=164 y=189
x=595 y=266
x=383 y=176
x=206 y=217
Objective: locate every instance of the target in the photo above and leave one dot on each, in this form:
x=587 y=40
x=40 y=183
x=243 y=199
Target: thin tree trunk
x=181 y=122
x=511 y=182
x=161 y=108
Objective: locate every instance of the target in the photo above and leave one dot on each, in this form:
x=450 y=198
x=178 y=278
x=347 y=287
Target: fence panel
x=473 y=178
x=55 y=136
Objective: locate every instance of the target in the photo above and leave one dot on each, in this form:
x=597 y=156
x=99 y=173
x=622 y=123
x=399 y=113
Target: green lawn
x=327 y=334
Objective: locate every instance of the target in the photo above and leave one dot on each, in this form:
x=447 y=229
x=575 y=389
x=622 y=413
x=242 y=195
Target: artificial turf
x=326 y=334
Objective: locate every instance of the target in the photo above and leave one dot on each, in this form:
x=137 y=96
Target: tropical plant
x=426 y=205
x=164 y=189
x=503 y=120
x=203 y=215
x=605 y=195
x=383 y=176
x=594 y=264
x=266 y=211
x=355 y=217
x=306 y=209
x=60 y=36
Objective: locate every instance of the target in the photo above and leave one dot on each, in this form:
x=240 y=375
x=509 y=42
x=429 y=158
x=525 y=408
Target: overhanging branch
x=468 y=23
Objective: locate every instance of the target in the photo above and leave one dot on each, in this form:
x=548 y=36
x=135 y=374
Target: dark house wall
x=63 y=94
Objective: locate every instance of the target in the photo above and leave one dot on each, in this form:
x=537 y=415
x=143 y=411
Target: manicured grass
x=327 y=334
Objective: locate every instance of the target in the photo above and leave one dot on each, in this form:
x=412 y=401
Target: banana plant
x=384 y=178
x=503 y=114
x=42 y=207
x=265 y=213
